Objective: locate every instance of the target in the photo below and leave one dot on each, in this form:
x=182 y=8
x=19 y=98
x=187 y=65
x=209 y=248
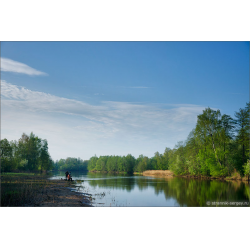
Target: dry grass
x=163 y=173
x=236 y=176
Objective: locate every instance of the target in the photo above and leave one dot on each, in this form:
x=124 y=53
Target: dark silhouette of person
x=66 y=173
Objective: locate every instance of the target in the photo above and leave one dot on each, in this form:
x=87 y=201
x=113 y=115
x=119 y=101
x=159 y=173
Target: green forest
x=216 y=147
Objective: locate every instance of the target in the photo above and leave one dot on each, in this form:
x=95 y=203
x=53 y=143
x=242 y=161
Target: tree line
x=217 y=146
x=29 y=153
x=71 y=164
x=112 y=163
x=130 y=164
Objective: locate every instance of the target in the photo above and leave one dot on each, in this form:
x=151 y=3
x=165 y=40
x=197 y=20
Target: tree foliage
x=217 y=145
x=71 y=164
x=29 y=153
x=112 y=163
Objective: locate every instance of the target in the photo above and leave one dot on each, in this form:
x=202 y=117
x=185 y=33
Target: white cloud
x=76 y=128
x=17 y=67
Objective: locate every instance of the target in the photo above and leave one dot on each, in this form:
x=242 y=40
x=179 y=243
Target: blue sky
x=115 y=98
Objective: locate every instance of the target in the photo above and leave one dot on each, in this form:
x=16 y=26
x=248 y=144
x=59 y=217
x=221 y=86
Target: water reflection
x=150 y=191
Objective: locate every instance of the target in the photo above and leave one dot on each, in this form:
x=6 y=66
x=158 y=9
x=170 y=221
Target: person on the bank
x=66 y=173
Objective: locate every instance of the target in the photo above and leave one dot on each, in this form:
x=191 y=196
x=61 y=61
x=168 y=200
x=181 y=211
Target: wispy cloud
x=18 y=67
x=120 y=114
x=110 y=128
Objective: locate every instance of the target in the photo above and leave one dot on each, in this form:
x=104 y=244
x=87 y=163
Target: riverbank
x=60 y=194
x=169 y=174
x=34 y=190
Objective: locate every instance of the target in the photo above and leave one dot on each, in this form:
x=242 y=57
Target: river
x=143 y=191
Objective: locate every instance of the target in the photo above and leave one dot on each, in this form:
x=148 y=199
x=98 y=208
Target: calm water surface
x=143 y=191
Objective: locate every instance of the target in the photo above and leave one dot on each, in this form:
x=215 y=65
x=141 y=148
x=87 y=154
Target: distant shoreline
x=170 y=174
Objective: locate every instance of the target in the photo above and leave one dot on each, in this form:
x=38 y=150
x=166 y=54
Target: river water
x=142 y=191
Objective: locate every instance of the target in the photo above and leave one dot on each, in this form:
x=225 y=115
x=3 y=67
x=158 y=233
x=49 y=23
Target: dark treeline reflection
x=112 y=182
x=187 y=192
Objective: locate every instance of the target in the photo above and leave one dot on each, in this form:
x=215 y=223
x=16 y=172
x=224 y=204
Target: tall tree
x=207 y=135
x=142 y=163
x=101 y=163
x=192 y=151
x=226 y=135
x=92 y=163
x=129 y=163
x=242 y=137
x=166 y=158
x=6 y=156
x=178 y=162
x=45 y=159
x=208 y=123
x=159 y=160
